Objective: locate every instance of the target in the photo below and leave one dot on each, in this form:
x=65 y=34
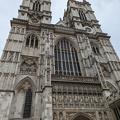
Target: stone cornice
x=57 y=28
x=75 y=79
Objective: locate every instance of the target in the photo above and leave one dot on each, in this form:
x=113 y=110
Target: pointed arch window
x=82 y=15
x=32 y=41
x=28 y=104
x=66 y=60
x=36 y=6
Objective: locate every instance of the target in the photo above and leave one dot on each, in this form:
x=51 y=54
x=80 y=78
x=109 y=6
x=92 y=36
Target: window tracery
x=82 y=15
x=32 y=41
x=37 y=6
x=66 y=60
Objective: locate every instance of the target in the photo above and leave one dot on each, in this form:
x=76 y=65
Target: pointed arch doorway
x=81 y=117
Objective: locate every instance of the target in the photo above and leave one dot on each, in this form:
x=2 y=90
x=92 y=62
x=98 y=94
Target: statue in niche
x=81 y=98
x=61 y=116
x=105 y=71
x=101 y=99
x=70 y=98
x=54 y=97
x=18 y=30
x=65 y=98
x=75 y=97
x=60 y=97
x=54 y=116
x=91 y=99
x=86 y=98
x=106 y=116
x=100 y=116
x=95 y=99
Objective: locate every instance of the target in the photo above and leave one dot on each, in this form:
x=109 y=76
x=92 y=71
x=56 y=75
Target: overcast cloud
x=106 y=11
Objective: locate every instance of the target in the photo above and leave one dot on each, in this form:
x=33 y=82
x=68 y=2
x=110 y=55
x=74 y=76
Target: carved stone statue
x=54 y=116
x=75 y=97
x=61 y=116
x=100 y=116
x=106 y=116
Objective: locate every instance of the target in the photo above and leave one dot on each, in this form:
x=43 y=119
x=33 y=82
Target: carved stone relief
x=18 y=30
x=105 y=70
x=28 y=66
x=66 y=96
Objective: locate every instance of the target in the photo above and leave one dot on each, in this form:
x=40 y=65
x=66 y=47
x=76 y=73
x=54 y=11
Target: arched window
x=28 y=103
x=36 y=6
x=23 y=99
x=66 y=60
x=32 y=41
x=82 y=15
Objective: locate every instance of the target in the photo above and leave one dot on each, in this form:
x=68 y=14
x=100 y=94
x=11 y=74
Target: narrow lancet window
x=28 y=104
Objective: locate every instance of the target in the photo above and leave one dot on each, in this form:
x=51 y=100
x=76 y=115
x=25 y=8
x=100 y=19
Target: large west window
x=66 y=60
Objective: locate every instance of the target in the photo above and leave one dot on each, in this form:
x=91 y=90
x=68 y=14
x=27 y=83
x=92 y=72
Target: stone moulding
x=74 y=79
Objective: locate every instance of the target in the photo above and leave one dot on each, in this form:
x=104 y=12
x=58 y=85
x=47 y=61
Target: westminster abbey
x=63 y=71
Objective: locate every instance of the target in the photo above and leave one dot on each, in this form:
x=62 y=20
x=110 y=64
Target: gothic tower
x=63 y=71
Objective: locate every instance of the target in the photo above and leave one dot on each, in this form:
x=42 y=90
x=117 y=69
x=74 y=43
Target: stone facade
x=65 y=71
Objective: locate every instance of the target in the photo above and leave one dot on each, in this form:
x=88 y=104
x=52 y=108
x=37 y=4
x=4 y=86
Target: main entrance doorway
x=81 y=117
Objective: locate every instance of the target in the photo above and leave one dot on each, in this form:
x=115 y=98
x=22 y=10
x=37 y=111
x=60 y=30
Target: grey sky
x=106 y=11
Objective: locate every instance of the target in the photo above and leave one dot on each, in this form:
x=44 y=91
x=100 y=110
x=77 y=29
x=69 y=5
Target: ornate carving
x=68 y=95
x=28 y=66
x=105 y=71
x=35 y=18
x=61 y=116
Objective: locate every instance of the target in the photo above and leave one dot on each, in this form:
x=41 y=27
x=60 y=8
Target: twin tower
x=63 y=71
